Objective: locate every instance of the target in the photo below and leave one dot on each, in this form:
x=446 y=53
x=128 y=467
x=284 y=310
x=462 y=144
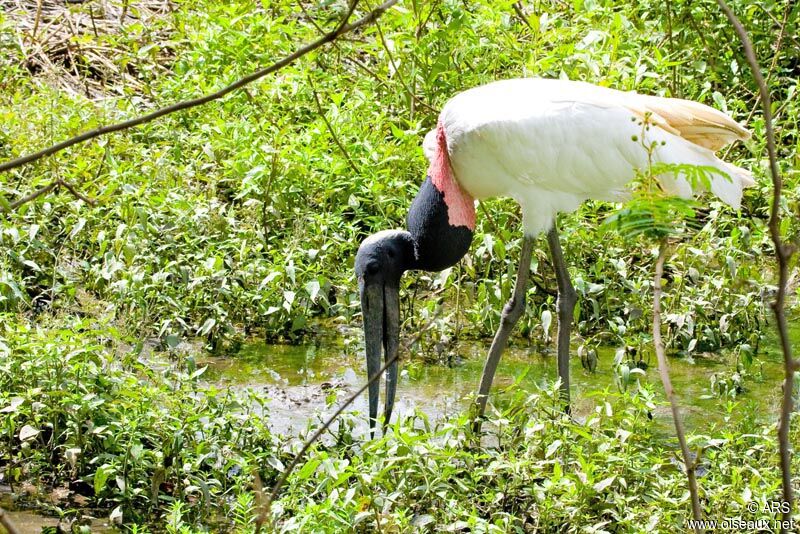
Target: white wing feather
x=551 y=144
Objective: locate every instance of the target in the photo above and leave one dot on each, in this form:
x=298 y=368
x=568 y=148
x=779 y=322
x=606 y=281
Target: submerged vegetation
x=241 y=219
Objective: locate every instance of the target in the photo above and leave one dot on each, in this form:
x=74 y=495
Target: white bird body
x=551 y=144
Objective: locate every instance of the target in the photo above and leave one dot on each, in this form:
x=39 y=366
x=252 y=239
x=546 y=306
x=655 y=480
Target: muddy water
x=30 y=522
x=33 y=522
x=299 y=379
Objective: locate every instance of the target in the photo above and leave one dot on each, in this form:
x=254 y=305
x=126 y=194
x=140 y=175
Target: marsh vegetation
x=136 y=268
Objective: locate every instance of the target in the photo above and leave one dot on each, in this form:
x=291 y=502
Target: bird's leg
x=566 y=305
x=511 y=314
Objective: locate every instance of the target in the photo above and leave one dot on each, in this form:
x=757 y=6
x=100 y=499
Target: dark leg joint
x=512 y=311
x=508 y=318
x=567 y=299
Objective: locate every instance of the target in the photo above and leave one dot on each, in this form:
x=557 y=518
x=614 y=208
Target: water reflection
x=299 y=379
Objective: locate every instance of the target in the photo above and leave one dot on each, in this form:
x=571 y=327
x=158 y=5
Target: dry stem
x=5 y=521
x=331 y=131
x=46 y=189
x=663 y=371
x=265 y=510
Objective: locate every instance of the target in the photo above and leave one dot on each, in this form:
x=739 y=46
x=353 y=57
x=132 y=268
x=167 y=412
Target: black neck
x=437 y=244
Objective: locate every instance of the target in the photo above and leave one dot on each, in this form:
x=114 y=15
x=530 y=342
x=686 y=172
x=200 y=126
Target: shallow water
x=298 y=379
x=32 y=521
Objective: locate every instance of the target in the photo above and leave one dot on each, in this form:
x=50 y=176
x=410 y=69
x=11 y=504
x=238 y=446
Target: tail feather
x=695 y=122
x=706 y=130
x=727 y=184
x=729 y=188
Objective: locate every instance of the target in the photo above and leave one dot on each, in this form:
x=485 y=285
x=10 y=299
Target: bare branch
x=342 y=29
x=775 y=57
x=37 y=20
x=521 y=14
x=331 y=130
x=33 y=196
x=46 y=189
x=783 y=253
x=663 y=371
x=395 y=67
x=361 y=65
x=264 y=507
x=71 y=188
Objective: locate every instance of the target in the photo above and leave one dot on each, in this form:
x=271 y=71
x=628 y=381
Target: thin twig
x=124 y=12
x=343 y=28
x=495 y=229
x=496 y=232
x=521 y=14
x=266 y=202
x=262 y=507
x=331 y=130
x=94 y=26
x=414 y=340
x=767 y=12
x=674 y=84
x=663 y=371
x=37 y=20
x=310 y=441
x=771 y=70
x=396 y=68
x=71 y=188
x=783 y=253
x=265 y=508
x=309 y=17
x=361 y=65
x=383 y=82
x=46 y=189
x=33 y=196
x=7 y=524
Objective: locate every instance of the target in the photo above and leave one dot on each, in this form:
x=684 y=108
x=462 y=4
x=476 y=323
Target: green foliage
x=121 y=434
x=242 y=217
x=652 y=218
x=612 y=472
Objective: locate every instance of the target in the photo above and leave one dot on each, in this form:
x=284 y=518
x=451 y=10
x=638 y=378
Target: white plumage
x=551 y=144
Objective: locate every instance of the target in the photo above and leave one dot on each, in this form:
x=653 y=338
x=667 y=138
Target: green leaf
x=28 y=432
x=207 y=326
x=101 y=477
x=552 y=448
x=308 y=469
x=603 y=484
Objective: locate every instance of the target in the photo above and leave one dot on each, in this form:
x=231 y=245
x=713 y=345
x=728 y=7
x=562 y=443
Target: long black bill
x=380 y=305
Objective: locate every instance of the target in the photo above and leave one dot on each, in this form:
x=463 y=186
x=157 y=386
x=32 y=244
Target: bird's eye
x=390 y=253
x=372 y=267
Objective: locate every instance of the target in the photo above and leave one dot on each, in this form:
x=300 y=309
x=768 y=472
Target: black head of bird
x=381 y=261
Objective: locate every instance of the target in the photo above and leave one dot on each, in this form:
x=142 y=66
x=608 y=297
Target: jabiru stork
x=548 y=144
